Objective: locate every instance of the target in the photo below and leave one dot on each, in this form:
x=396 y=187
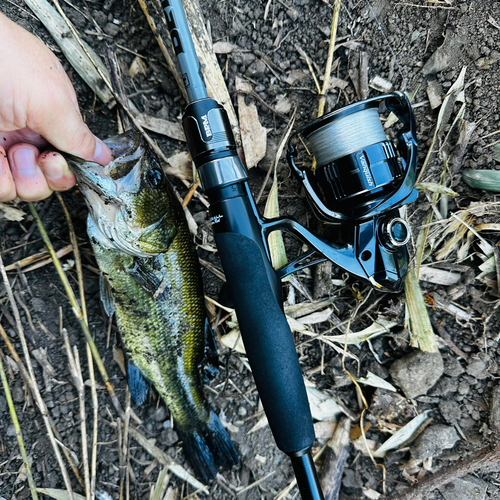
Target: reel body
x=360 y=182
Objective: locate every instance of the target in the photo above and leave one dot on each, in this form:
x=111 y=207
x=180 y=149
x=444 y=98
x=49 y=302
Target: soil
x=398 y=38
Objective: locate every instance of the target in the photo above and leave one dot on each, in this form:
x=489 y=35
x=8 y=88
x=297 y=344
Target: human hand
x=38 y=107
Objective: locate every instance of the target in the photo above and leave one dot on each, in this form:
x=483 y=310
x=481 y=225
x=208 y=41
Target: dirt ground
x=401 y=41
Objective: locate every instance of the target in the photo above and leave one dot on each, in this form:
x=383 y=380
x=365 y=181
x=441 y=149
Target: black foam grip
x=268 y=342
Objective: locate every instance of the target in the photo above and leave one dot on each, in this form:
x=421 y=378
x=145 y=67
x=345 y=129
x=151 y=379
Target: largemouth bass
x=151 y=281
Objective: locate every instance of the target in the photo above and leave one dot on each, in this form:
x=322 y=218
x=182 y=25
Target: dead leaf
x=170 y=129
x=59 y=494
x=137 y=66
x=493 y=22
x=253 y=134
x=283 y=105
x=119 y=357
x=10 y=213
x=180 y=166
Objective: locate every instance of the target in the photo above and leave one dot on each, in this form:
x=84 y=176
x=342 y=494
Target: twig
x=77 y=310
x=117 y=83
x=214 y=270
x=36 y=258
x=190 y=194
x=279 y=152
x=17 y=428
x=76 y=375
x=302 y=52
x=329 y=61
x=34 y=387
x=255 y=483
x=407 y=4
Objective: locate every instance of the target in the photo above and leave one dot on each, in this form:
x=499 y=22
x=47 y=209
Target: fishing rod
x=360 y=183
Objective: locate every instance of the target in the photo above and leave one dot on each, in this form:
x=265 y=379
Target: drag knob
x=395 y=233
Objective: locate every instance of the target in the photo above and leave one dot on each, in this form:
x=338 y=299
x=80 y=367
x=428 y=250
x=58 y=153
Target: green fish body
x=152 y=282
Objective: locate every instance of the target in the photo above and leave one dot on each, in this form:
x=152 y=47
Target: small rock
x=465 y=488
x=159 y=415
x=450 y=410
x=100 y=17
x=433 y=441
x=200 y=217
x=237 y=27
x=452 y=367
x=445 y=386
x=3 y=405
x=170 y=438
x=111 y=29
x=18 y=393
x=256 y=69
x=417 y=372
x=39 y=305
x=464 y=388
x=478 y=367
x=350 y=480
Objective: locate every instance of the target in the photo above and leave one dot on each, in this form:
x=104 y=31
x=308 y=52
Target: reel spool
x=361 y=179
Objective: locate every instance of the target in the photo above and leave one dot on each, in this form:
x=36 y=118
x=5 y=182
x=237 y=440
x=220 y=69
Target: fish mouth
x=107 y=188
x=126 y=149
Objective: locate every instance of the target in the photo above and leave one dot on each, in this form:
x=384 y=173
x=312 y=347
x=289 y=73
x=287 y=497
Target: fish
x=151 y=281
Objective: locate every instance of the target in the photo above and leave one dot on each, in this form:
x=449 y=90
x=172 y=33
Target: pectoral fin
x=144 y=276
x=138 y=385
x=107 y=298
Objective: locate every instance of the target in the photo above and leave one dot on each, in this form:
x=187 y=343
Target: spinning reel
x=360 y=182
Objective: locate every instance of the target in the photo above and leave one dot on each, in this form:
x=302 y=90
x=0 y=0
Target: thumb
x=62 y=126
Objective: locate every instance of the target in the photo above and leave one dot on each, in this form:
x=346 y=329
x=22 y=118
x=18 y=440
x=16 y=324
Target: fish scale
x=152 y=283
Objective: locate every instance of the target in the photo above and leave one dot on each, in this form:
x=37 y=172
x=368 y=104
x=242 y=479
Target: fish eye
x=155 y=177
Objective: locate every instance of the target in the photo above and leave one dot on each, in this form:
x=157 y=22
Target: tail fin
x=208 y=448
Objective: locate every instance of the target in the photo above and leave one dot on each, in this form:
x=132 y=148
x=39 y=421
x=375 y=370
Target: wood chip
x=381 y=84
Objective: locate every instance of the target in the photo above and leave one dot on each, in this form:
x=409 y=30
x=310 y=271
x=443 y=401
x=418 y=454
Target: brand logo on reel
x=206 y=126
x=366 y=170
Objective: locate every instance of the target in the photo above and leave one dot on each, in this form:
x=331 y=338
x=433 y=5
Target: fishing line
x=388 y=45
x=346 y=135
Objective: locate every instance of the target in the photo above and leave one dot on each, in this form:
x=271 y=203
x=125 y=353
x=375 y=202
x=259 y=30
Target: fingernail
x=54 y=165
x=102 y=153
x=24 y=160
